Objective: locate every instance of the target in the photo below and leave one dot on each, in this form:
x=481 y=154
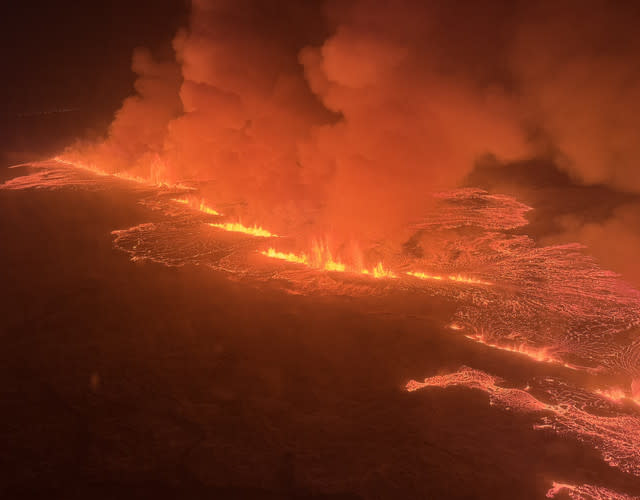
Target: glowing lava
x=424 y=276
x=322 y=259
x=380 y=272
x=617 y=395
x=236 y=227
x=586 y=492
x=457 y=278
x=543 y=355
x=316 y=260
x=200 y=206
x=566 y=410
x=469 y=281
x=557 y=299
x=156 y=179
x=289 y=257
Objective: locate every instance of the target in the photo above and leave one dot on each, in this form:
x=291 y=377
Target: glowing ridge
x=457 y=278
x=321 y=259
x=543 y=355
x=380 y=272
x=236 y=227
x=424 y=276
x=202 y=206
x=157 y=181
x=289 y=257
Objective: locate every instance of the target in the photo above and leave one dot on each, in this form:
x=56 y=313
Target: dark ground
x=130 y=380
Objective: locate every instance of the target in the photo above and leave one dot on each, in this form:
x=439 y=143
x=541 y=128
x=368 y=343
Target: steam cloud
x=340 y=117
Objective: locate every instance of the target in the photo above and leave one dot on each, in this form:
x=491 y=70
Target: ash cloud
x=614 y=241
x=338 y=118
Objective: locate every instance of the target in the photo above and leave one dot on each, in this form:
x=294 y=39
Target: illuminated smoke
x=337 y=118
x=317 y=119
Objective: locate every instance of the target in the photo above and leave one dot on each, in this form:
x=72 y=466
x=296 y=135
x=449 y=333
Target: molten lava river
x=551 y=304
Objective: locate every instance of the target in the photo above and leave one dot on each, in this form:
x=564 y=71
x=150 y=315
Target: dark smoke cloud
x=614 y=242
x=578 y=68
x=340 y=117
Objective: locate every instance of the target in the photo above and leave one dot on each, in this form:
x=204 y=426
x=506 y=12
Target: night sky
x=76 y=56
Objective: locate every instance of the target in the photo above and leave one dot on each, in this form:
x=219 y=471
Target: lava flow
x=236 y=227
x=587 y=492
x=561 y=304
x=322 y=259
x=539 y=354
x=194 y=204
x=154 y=179
x=457 y=278
x=561 y=408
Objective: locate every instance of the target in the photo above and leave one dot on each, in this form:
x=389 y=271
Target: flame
x=289 y=257
x=236 y=227
x=457 y=278
x=202 y=206
x=424 y=276
x=327 y=265
x=322 y=259
x=380 y=272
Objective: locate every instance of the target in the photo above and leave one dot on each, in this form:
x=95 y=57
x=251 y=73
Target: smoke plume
x=338 y=118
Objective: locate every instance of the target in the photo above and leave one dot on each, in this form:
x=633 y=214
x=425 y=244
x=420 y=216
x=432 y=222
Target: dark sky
x=74 y=55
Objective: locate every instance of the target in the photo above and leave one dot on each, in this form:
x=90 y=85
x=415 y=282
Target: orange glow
x=236 y=227
x=541 y=355
x=380 y=272
x=617 y=395
x=289 y=257
x=82 y=166
x=155 y=179
x=457 y=278
x=321 y=258
x=470 y=281
x=424 y=276
x=201 y=206
x=317 y=260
